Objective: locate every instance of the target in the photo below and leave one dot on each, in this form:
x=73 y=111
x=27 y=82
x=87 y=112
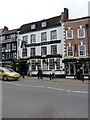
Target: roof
x=6 y=32
x=51 y=22
x=82 y=18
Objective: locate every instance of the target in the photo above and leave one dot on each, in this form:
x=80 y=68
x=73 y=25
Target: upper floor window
x=43 y=24
x=25 y=38
x=82 y=50
x=43 y=50
x=53 y=34
x=14 y=45
x=53 y=49
x=43 y=36
x=32 y=51
x=81 y=33
x=33 y=38
x=24 y=52
x=33 y=26
x=69 y=34
x=70 y=51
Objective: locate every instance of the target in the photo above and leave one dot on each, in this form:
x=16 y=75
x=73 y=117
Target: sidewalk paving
x=67 y=80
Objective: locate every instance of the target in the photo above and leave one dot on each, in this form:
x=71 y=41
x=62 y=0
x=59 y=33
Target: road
x=44 y=99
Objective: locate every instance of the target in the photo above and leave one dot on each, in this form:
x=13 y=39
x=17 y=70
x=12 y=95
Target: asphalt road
x=44 y=99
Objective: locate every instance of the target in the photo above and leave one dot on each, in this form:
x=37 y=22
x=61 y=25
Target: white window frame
x=43 y=24
x=31 y=52
x=33 y=38
x=53 y=49
x=79 y=50
x=33 y=26
x=44 y=50
x=67 y=34
x=79 y=34
x=53 y=34
x=43 y=36
x=72 y=51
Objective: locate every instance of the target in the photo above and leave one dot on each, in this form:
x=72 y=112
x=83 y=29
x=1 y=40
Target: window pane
x=43 y=36
x=58 y=64
x=24 y=52
x=25 y=38
x=43 y=50
x=33 y=38
x=69 y=34
x=54 y=49
x=81 y=32
x=53 y=34
x=33 y=65
x=82 y=50
x=32 y=51
x=51 y=64
x=70 y=51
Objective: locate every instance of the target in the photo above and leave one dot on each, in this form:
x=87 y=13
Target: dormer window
x=33 y=26
x=43 y=24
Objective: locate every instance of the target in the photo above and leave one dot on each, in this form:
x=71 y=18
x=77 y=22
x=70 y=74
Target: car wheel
x=5 y=78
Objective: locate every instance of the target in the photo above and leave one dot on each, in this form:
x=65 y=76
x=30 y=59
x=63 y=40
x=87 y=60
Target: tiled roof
x=51 y=22
x=9 y=31
x=82 y=18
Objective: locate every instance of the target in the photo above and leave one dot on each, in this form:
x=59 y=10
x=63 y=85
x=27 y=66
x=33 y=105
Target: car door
x=0 y=74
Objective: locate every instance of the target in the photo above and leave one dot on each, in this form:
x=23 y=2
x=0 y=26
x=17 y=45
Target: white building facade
x=41 y=45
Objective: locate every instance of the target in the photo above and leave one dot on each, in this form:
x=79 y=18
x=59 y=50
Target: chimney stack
x=64 y=15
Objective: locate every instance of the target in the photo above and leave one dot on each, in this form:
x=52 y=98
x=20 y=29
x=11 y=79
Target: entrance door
x=71 y=69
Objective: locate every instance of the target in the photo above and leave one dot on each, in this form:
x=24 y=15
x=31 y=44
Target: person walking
x=78 y=74
x=53 y=74
x=40 y=73
x=81 y=75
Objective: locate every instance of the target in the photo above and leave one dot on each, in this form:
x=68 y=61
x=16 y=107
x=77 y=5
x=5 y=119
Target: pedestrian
x=50 y=76
x=78 y=74
x=23 y=74
x=53 y=74
x=40 y=73
x=81 y=75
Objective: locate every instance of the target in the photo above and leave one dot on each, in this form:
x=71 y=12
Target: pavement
x=66 y=80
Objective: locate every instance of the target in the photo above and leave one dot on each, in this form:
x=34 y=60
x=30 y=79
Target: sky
x=15 y=13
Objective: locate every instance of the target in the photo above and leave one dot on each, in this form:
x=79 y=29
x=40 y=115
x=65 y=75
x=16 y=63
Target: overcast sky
x=14 y=13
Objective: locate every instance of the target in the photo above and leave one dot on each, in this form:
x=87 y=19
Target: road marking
x=48 y=87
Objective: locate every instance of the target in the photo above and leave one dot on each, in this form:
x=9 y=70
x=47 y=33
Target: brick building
x=77 y=46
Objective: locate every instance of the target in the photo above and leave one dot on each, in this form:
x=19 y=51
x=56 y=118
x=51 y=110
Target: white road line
x=80 y=91
x=48 y=88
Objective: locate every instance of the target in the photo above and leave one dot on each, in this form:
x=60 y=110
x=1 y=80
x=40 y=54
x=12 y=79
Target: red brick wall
x=74 y=25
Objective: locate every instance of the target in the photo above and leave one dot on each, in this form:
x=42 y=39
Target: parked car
x=8 y=74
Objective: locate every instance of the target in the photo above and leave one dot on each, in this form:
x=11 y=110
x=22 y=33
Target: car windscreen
x=7 y=70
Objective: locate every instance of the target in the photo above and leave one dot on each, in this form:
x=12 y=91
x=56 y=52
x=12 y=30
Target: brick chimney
x=64 y=15
x=5 y=28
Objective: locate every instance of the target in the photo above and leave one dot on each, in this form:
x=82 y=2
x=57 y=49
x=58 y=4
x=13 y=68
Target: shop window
x=58 y=64
x=39 y=64
x=33 y=65
x=51 y=64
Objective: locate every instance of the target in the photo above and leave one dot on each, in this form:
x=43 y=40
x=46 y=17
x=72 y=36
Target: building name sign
x=44 y=43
